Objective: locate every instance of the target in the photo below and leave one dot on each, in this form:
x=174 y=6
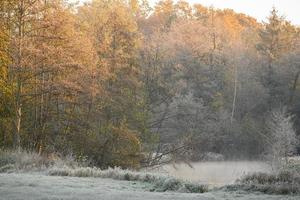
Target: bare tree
x=283 y=135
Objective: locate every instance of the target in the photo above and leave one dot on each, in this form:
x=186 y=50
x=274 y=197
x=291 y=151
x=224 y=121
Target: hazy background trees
x=116 y=82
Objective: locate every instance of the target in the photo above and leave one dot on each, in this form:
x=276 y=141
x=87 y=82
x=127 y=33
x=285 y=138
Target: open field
x=41 y=187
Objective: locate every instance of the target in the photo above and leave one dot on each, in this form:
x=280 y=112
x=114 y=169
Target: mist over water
x=216 y=173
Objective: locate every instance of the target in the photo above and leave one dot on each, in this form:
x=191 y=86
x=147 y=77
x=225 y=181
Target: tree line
x=116 y=82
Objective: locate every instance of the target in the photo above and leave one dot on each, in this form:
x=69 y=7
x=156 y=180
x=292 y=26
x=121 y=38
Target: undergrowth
x=11 y=161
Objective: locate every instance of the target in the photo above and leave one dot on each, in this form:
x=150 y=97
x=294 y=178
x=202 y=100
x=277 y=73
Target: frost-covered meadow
x=35 y=186
x=173 y=182
x=29 y=176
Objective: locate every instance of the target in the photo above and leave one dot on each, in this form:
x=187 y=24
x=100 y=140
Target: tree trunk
x=18 y=103
x=293 y=90
x=17 y=139
x=234 y=94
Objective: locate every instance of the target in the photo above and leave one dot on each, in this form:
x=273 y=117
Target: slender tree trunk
x=214 y=45
x=234 y=94
x=293 y=90
x=270 y=83
x=18 y=103
x=17 y=139
x=18 y=117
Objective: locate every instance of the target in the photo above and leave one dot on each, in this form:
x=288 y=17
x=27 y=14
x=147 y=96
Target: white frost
x=42 y=187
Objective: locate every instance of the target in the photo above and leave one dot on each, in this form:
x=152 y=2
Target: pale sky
x=256 y=8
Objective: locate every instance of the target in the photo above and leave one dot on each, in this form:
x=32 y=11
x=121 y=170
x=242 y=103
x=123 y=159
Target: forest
x=121 y=83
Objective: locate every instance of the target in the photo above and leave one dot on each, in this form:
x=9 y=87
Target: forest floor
x=35 y=186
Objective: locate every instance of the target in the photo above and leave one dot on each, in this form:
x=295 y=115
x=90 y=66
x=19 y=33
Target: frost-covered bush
x=168 y=184
x=7 y=168
x=283 y=138
x=11 y=161
x=284 y=182
x=161 y=183
x=259 y=178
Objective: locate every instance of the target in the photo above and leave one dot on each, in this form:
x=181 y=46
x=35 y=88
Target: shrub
x=31 y=161
x=284 y=182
